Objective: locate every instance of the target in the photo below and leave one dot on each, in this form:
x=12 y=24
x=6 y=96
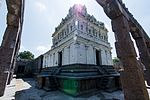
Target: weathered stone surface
x=10 y=37
x=10 y=45
x=148 y=46
x=132 y=76
x=5 y=62
x=126 y=52
x=124 y=45
x=132 y=85
x=13 y=6
x=12 y=20
x=144 y=56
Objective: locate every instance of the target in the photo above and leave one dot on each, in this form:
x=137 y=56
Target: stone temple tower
x=80 y=59
x=79 y=39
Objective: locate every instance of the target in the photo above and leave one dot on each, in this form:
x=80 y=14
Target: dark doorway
x=20 y=69
x=98 y=57
x=43 y=81
x=60 y=59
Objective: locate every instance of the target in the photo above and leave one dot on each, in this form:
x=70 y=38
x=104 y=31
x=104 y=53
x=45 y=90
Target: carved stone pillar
x=5 y=63
x=131 y=78
x=144 y=55
x=10 y=44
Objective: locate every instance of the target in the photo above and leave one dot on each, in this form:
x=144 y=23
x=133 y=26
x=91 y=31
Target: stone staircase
x=51 y=82
x=109 y=70
x=108 y=83
x=49 y=71
x=106 y=75
x=103 y=83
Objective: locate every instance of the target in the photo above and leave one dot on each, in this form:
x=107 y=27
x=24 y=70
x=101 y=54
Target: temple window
x=71 y=27
x=67 y=28
x=86 y=28
x=58 y=36
x=96 y=34
x=99 y=35
x=89 y=31
x=76 y=23
x=102 y=37
x=81 y=27
x=62 y=34
x=93 y=31
x=105 y=38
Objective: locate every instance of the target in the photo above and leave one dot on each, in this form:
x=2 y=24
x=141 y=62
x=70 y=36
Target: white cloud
x=42 y=49
x=40 y=6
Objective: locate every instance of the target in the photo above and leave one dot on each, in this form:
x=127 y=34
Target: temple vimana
x=79 y=60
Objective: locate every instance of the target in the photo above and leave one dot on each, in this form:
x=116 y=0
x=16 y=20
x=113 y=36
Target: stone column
x=68 y=52
x=11 y=39
x=131 y=78
x=103 y=57
x=144 y=56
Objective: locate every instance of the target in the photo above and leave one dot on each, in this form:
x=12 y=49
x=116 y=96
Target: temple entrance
x=60 y=59
x=98 y=58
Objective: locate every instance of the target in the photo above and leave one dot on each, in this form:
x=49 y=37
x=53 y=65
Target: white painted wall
x=110 y=62
x=77 y=52
x=81 y=49
x=72 y=52
x=65 y=57
x=103 y=57
x=90 y=55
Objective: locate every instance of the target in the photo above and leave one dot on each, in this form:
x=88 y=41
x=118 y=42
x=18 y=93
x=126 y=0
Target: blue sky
x=42 y=16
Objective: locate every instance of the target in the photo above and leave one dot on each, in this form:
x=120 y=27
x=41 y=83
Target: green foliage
x=115 y=60
x=25 y=55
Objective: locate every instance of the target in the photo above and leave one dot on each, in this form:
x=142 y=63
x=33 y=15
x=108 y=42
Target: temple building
x=79 y=39
x=79 y=60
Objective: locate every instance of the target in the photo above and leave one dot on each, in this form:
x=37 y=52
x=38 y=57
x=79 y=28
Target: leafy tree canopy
x=115 y=60
x=25 y=55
